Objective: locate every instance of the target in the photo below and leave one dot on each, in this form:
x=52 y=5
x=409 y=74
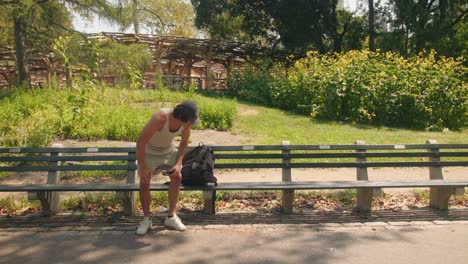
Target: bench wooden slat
x=307 y=185
x=69 y=158
x=70 y=168
x=242 y=148
x=380 y=164
x=66 y=150
x=340 y=155
x=378 y=147
x=312 y=185
x=339 y=147
x=241 y=156
x=340 y=164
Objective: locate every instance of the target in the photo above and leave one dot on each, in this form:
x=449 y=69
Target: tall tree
x=218 y=19
x=162 y=17
x=37 y=22
x=136 y=22
x=371 y=25
x=351 y=31
x=430 y=24
x=300 y=24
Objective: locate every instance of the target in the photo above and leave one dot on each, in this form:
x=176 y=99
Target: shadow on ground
x=121 y=222
x=110 y=239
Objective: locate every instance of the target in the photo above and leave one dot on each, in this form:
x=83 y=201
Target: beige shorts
x=163 y=162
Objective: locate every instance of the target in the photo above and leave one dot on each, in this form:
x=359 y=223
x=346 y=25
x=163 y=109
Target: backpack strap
x=200 y=156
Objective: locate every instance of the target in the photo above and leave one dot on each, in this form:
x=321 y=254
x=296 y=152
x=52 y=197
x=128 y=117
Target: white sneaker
x=175 y=223
x=144 y=226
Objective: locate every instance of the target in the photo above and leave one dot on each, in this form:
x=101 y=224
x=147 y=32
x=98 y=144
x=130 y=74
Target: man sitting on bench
x=155 y=150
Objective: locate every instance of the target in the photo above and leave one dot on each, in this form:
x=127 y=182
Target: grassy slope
x=271 y=126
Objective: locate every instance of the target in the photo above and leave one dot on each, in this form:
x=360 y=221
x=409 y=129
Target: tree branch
x=12 y=2
x=78 y=3
x=153 y=13
x=459 y=18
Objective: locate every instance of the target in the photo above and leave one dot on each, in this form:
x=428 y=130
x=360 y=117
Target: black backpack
x=198 y=165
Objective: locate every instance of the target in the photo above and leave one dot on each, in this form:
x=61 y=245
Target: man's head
x=187 y=111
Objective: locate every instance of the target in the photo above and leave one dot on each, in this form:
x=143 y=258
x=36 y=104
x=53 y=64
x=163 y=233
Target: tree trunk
x=371 y=26
x=406 y=42
x=21 y=61
x=68 y=76
x=338 y=42
x=188 y=70
x=135 y=16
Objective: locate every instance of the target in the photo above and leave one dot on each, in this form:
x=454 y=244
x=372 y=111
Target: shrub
x=366 y=88
x=90 y=112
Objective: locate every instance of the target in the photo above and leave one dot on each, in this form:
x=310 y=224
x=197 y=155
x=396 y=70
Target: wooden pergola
x=206 y=61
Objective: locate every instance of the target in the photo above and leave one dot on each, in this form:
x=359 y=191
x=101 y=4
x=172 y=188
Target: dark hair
x=186 y=111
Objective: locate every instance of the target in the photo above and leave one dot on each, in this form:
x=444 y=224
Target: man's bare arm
x=156 y=123
x=183 y=146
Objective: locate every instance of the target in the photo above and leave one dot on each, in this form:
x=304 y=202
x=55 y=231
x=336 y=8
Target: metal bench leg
x=209 y=204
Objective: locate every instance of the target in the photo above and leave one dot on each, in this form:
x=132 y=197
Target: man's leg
x=145 y=196
x=174 y=189
x=174 y=185
x=172 y=219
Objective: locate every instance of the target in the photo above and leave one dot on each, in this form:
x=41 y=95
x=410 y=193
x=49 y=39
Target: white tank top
x=161 y=141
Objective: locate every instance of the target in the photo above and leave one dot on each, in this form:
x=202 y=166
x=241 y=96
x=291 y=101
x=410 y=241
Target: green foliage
x=365 y=88
x=430 y=25
x=50 y=19
x=135 y=78
x=258 y=83
x=100 y=203
x=126 y=63
x=187 y=200
x=217 y=114
x=89 y=112
x=160 y=17
x=10 y=206
x=422 y=195
x=29 y=120
x=100 y=174
x=294 y=24
x=4 y=175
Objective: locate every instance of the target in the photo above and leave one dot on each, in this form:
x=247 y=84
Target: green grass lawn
x=265 y=125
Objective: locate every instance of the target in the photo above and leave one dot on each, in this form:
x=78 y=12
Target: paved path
x=414 y=236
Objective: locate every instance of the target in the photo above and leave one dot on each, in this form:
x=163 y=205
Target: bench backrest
x=248 y=157
x=59 y=159
x=340 y=156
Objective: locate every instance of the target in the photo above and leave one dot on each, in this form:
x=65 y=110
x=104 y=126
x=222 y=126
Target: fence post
x=288 y=195
x=129 y=198
x=50 y=201
x=364 y=195
x=439 y=196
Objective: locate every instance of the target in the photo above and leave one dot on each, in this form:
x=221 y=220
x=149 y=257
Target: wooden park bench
x=285 y=156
